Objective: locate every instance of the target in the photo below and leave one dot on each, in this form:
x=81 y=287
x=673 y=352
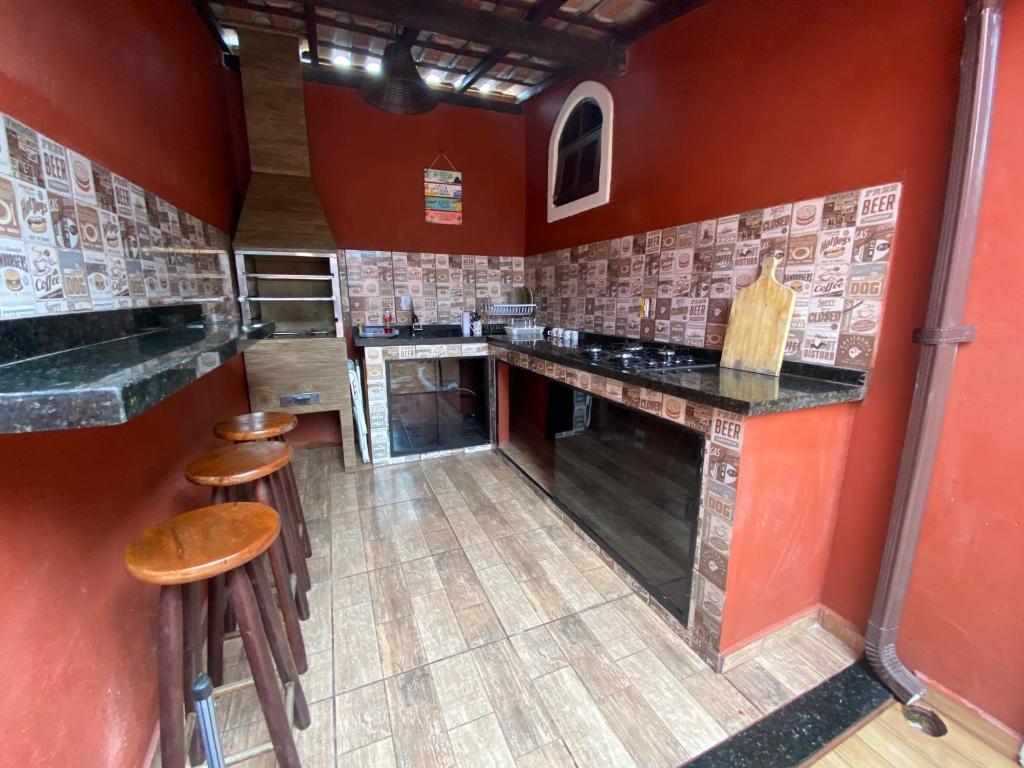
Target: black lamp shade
x=399 y=89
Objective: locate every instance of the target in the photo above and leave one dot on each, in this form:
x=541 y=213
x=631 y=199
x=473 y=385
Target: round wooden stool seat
x=260 y=425
x=202 y=543
x=237 y=464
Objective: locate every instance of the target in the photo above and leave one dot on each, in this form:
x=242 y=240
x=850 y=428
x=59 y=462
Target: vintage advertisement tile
x=16 y=295
x=10 y=219
x=23 y=152
x=56 y=172
x=34 y=213
x=878 y=205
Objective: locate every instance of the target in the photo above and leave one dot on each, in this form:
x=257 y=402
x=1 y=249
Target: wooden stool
x=268 y=425
x=252 y=472
x=226 y=541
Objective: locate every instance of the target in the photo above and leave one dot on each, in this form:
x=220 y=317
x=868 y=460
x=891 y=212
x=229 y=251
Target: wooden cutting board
x=759 y=323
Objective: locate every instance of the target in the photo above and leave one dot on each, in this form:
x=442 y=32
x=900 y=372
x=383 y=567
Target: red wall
x=135 y=86
x=791 y=468
x=741 y=104
x=368 y=169
x=964 y=622
x=78 y=633
x=138 y=87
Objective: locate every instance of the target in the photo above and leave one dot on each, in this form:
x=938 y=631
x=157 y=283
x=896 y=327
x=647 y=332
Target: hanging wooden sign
x=442 y=193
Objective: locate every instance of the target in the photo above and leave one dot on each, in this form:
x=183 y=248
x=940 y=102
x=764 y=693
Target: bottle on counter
x=387 y=322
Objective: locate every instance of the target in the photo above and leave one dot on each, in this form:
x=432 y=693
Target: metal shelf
x=254 y=276
x=284 y=272
x=287 y=298
x=286 y=253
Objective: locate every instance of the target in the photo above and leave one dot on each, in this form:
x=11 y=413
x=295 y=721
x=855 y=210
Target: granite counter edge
x=105 y=405
x=842 y=393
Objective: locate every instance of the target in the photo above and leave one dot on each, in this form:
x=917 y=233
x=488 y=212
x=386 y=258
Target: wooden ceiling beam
x=540 y=11
x=203 y=9
x=580 y=19
x=448 y=68
x=310 y=19
x=553 y=79
x=354 y=79
x=359 y=29
x=667 y=11
x=454 y=20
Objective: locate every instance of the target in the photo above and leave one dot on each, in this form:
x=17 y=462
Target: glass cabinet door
x=437 y=404
x=412 y=403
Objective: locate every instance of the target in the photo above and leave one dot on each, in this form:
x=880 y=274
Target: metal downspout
x=942 y=332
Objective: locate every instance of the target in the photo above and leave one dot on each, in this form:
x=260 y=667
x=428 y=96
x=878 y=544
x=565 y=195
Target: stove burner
x=634 y=356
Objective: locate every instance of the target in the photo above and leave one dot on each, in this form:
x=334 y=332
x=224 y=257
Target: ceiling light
x=230 y=37
x=341 y=60
x=373 y=67
x=486 y=87
x=434 y=79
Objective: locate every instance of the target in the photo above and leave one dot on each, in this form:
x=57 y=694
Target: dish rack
x=517 y=313
x=511 y=310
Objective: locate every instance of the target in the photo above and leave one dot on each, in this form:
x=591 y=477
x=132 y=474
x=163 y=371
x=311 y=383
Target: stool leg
x=279 y=648
x=289 y=605
x=255 y=642
x=192 y=660
x=289 y=516
x=170 y=669
x=217 y=604
x=296 y=562
x=292 y=488
x=225 y=616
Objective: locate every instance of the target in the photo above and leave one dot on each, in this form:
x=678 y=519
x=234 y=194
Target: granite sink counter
x=112 y=379
x=432 y=334
x=799 y=386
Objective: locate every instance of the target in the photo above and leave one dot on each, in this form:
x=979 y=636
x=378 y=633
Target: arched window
x=580 y=152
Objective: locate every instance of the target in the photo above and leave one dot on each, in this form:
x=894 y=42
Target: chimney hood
x=281 y=209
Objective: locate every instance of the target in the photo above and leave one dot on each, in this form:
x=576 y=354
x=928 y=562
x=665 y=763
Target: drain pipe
x=942 y=332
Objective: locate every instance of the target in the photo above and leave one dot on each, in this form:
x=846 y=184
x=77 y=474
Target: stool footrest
x=237 y=685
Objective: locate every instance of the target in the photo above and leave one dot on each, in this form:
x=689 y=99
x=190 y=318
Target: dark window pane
x=579 y=158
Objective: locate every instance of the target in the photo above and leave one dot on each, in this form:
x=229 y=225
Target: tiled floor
x=888 y=741
x=457 y=622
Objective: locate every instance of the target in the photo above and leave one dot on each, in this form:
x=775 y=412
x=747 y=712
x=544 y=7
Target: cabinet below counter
x=686 y=482
x=428 y=400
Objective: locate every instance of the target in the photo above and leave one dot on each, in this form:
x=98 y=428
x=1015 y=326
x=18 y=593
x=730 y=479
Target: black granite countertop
x=796 y=732
x=431 y=334
x=114 y=380
x=751 y=394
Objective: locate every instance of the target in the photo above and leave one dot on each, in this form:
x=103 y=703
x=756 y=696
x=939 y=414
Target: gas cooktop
x=642 y=356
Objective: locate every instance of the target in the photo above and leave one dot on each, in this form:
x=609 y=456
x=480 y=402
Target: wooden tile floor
x=457 y=622
x=888 y=741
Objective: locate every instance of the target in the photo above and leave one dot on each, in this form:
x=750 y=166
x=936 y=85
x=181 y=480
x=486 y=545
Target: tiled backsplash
x=74 y=237
x=835 y=252
x=441 y=285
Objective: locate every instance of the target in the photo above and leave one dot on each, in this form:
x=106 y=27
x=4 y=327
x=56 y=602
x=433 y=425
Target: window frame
x=600 y=95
